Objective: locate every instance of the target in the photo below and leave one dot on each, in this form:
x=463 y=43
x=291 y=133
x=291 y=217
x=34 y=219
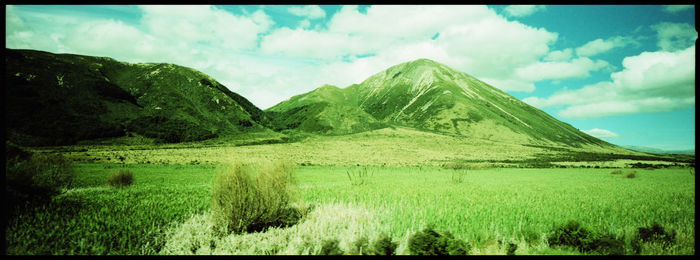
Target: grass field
x=166 y=210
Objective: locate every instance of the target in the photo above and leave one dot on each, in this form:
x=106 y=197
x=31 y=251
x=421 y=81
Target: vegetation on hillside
x=60 y=99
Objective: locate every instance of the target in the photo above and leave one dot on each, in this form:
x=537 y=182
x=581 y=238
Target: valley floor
x=384 y=147
x=495 y=211
x=498 y=198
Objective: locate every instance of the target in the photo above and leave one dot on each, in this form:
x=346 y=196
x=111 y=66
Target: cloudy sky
x=625 y=74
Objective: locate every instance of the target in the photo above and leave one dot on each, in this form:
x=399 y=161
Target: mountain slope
x=58 y=99
x=427 y=95
x=326 y=110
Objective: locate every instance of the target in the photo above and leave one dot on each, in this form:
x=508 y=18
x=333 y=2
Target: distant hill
x=427 y=95
x=326 y=110
x=656 y=150
x=60 y=99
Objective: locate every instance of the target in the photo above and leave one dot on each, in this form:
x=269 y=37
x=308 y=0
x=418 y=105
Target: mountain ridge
x=60 y=99
x=56 y=99
x=427 y=95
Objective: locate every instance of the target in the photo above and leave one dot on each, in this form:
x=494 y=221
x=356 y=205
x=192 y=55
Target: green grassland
x=166 y=210
x=390 y=146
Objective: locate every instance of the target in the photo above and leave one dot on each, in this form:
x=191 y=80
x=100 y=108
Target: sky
x=625 y=74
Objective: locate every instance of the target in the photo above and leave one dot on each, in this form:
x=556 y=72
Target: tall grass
x=120 y=179
x=36 y=179
x=496 y=211
x=244 y=200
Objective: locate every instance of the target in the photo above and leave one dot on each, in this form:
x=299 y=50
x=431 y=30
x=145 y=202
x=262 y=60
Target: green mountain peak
x=431 y=96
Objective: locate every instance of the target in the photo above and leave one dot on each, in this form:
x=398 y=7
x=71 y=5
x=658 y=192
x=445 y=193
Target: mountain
x=326 y=110
x=645 y=149
x=60 y=99
x=427 y=95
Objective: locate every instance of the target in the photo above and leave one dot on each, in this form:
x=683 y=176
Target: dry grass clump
x=245 y=200
x=466 y=166
x=630 y=175
x=327 y=229
x=120 y=179
x=616 y=172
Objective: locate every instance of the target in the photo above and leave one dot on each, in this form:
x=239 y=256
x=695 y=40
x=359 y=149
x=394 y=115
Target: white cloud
x=577 y=68
x=250 y=56
x=523 y=10
x=308 y=11
x=301 y=43
x=677 y=8
x=114 y=39
x=649 y=82
x=207 y=24
x=613 y=108
x=601 y=133
x=562 y=55
x=305 y=23
x=598 y=46
x=675 y=36
x=473 y=39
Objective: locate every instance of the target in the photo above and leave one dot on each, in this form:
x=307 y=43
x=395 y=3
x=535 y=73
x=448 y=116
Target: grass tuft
x=572 y=234
x=653 y=234
x=384 y=245
x=430 y=242
x=331 y=247
x=246 y=201
x=121 y=179
x=36 y=178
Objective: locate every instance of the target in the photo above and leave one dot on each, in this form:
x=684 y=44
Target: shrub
x=36 y=179
x=608 y=245
x=655 y=234
x=616 y=172
x=456 y=246
x=330 y=247
x=510 y=248
x=383 y=245
x=360 y=247
x=572 y=234
x=630 y=174
x=121 y=179
x=425 y=242
x=429 y=242
x=242 y=202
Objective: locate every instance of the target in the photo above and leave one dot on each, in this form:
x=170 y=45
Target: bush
x=360 y=247
x=330 y=247
x=654 y=234
x=572 y=234
x=384 y=246
x=242 y=202
x=630 y=174
x=510 y=248
x=121 y=179
x=36 y=179
x=429 y=242
x=616 y=172
x=608 y=245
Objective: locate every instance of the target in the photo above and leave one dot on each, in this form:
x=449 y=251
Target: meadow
x=493 y=210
